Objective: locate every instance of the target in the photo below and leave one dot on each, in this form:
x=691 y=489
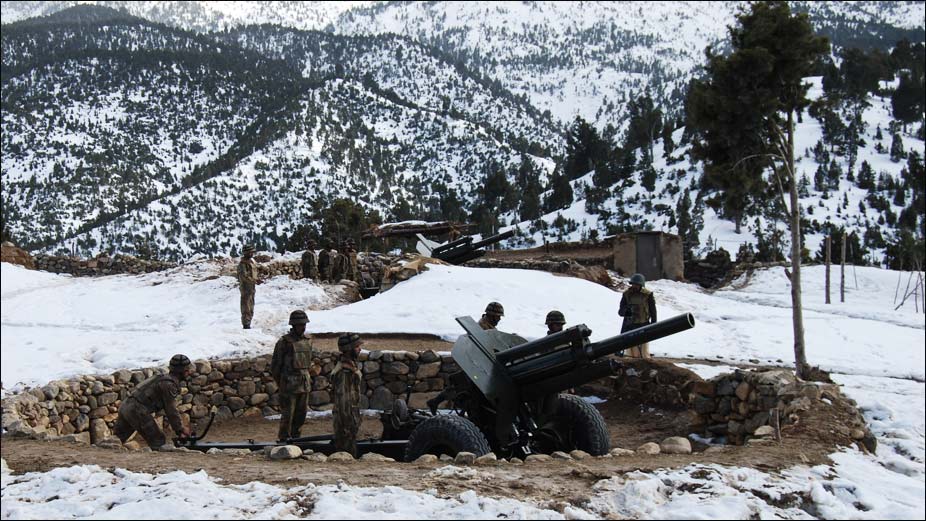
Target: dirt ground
x=808 y=442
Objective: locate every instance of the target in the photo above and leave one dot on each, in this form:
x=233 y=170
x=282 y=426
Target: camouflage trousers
x=133 y=417
x=641 y=351
x=346 y=427
x=247 y=304
x=293 y=409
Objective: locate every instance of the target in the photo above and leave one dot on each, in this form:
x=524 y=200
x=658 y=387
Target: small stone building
x=657 y=255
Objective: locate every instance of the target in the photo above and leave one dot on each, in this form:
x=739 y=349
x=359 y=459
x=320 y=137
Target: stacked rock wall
x=102 y=265
x=9 y=252
x=88 y=406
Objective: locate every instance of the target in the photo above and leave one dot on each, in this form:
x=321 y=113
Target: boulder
x=464 y=458
x=648 y=448
x=99 y=431
x=341 y=456
x=579 y=454
x=675 y=445
x=621 y=452
x=487 y=459
x=315 y=458
x=535 y=458
x=426 y=371
x=372 y=456
x=766 y=430
x=259 y=398
x=426 y=458
x=285 y=452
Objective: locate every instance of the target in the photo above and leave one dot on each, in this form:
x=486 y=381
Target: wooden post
x=842 y=269
x=828 y=247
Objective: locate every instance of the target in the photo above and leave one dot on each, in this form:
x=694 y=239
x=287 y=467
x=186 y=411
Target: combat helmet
x=179 y=362
x=494 y=308
x=638 y=278
x=347 y=341
x=298 y=317
x=555 y=317
x=249 y=248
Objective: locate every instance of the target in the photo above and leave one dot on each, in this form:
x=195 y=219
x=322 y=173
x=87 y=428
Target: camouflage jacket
x=159 y=393
x=484 y=323
x=345 y=387
x=638 y=308
x=247 y=272
x=292 y=358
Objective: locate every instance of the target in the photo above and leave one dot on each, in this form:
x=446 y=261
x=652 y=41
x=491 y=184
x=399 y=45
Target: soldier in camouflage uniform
x=555 y=322
x=345 y=385
x=310 y=261
x=324 y=262
x=492 y=316
x=292 y=358
x=353 y=272
x=638 y=307
x=338 y=264
x=157 y=393
x=247 y=284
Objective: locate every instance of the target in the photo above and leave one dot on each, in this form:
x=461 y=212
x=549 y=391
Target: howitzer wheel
x=580 y=426
x=446 y=434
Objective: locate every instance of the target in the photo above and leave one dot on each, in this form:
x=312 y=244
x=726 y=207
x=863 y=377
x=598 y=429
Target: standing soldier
x=310 y=261
x=158 y=393
x=638 y=307
x=324 y=262
x=292 y=358
x=340 y=266
x=345 y=384
x=353 y=263
x=492 y=316
x=555 y=322
x=247 y=284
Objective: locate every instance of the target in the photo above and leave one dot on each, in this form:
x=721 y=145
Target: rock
x=372 y=456
x=319 y=398
x=83 y=438
x=123 y=376
x=759 y=441
x=715 y=449
x=675 y=445
x=259 y=398
x=446 y=458
x=132 y=445
x=487 y=459
x=420 y=400
x=82 y=423
x=235 y=403
x=428 y=357
x=621 y=452
x=199 y=411
x=857 y=434
x=560 y=455
x=726 y=387
x=648 y=448
x=515 y=461
x=703 y=405
x=426 y=458
x=766 y=430
x=341 y=456
x=579 y=454
x=370 y=367
x=464 y=458
x=315 y=458
x=203 y=367
x=704 y=388
x=536 y=458
x=426 y=371
x=98 y=431
x=395 y=368
x=246 y=387
x=285 y=452
x=224 y=413
x=742 y=391
x=215 y=450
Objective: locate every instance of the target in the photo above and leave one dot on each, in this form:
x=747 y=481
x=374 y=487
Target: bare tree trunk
x=842 y=268
x=829 y=246
x=797 y=314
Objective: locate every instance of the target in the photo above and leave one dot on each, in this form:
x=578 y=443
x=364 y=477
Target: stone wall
x=9 y=252
x=101 y=265
x=87 y=406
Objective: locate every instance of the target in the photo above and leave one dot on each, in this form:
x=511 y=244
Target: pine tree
x=560 y=195
x=897 y=151
x=744 y=111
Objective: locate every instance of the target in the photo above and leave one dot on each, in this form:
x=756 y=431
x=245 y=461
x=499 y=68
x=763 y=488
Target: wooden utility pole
x=842 y=269
x=828 y=246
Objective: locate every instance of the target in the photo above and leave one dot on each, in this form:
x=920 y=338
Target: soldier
x=310 y=261
x=352 y=262
x=492 y=316
x=247 y=284
x=555 y=322
x=154 y=394
x=638 y=307
x=345 y=384
x=292 y=358
x=338 y=264
x=324 y=262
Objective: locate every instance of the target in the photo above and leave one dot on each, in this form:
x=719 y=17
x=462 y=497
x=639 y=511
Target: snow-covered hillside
x=632 y=205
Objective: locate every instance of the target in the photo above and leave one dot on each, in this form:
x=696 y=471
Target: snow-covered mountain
x=150 y=134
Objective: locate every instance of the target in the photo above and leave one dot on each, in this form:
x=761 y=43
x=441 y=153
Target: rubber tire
x=589 y=431
x=454 y=433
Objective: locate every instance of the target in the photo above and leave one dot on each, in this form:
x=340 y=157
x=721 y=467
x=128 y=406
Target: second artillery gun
x=460 y=250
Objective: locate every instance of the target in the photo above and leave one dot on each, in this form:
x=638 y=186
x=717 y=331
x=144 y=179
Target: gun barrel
x=493 y=239
x=641 y=335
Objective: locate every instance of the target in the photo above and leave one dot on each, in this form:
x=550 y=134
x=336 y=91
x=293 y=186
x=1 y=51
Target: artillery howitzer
x=505 y=397
x=460 y=250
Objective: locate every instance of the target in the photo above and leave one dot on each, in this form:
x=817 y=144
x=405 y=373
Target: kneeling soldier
x=345 y=384
x=492 y=316
x=154 y=394
x=292 y=358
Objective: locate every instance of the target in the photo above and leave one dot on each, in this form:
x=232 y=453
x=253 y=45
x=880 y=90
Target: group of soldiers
x=327 y=265
x=292 y=363
x=330 y=265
